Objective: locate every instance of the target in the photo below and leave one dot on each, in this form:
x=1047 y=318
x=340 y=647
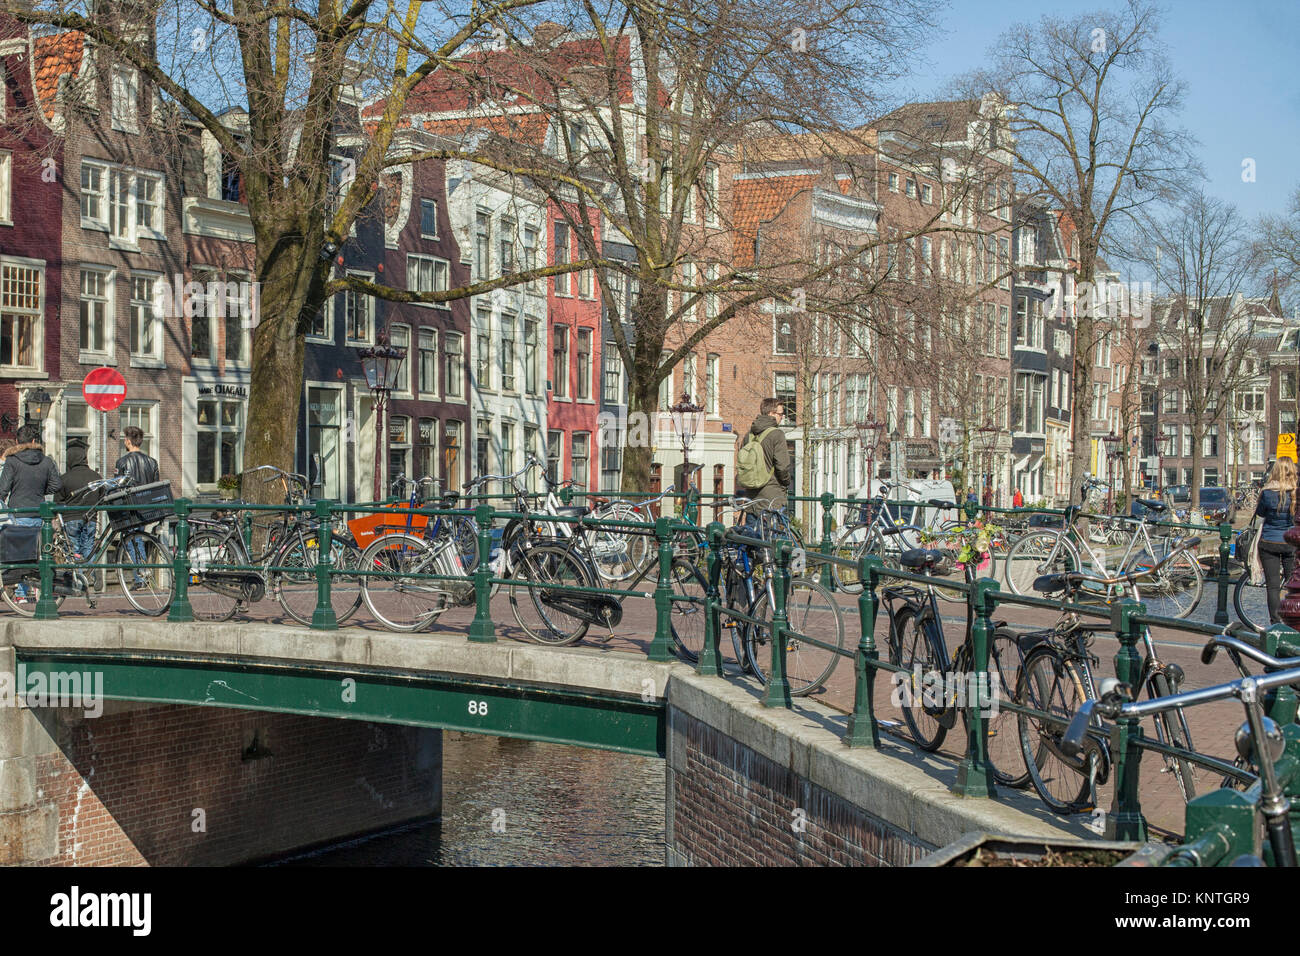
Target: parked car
x=1216 y=504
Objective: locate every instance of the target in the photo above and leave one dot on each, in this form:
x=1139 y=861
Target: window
x=784 y=390
x=581 y=456
x=399 y=336
x=146 y=327
x=322 y=323
x=221 y=434
x=584 y=364
x=21 y=301
x=711 y=385
x=237 y=336
x=429 y=218
x=427 y=274
x=585 y=284
x=531 y=327
x=426 y=449
x=783 y=335
x=893 y=182
x=508 y=353
x=453 y=378
x=710 y=196
x=506 y=246
x=126 y=203
x=613 y=376
x=96 y=311
x=507 y=447
x=452 y=466
x=126 y=97
x=927 y=194
x=399 y=446
x=911 y=188
x=531 y=447
x=1210 y=443
x=563 y=285
x=482 y=244
x=428 y=364
x=1169 y=401
x=93 y=199
x=483 y=350
x=6 y=175
x=554 y=456
x=482 y=448
x=665 y=385
x=1004 y=316
x=530 y=255
x=358 y=311
x=560 y=362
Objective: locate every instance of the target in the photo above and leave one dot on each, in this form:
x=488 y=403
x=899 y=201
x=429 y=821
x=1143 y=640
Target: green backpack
x=752 y=469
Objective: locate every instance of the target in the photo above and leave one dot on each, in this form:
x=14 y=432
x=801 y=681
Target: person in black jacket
x=27 y=477
x=142 y=470
x=75 y=479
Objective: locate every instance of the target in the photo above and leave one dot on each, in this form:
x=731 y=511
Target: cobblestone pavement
x=1212 y=725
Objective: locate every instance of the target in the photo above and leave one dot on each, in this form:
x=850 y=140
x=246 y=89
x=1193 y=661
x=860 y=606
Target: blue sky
x=1238 y=59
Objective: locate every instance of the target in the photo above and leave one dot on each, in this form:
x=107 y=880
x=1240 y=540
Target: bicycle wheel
x=1251 y=602
x=850 y=545
x=393 y=595
x=534 y=608
x=296 y=589
x=811 y=611
x=687 y=617
x=611 y=549
x=29 y=584
x=1174 y=590
x=464 y=532
x=1006 y=758
x=1171 y=728
x=148 y=589
x=1035 y=554
x=212 y=597
x=916 y=644
x=1051 y=685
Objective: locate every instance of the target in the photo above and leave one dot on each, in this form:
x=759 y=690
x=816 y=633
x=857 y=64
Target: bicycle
x=1177 y=588
x=872 y=533
x=1058 y=676
x=145 y=572
x=936 y=687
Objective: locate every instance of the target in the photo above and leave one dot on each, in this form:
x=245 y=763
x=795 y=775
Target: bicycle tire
x=208 y=548
x=464 y=532
x=849 y=544
x=297 y=591
x=811 y=610
x=155 y=596
x=32 y=583
x=610 y=551
x=1048 y=683
x=1176 y=589
x=1171 y=724
x=548 y=564
x=1250 y=601
x=394 y=598
x=914 y=646
x=1006 y=757
x=686 y=617
x=1032 y=556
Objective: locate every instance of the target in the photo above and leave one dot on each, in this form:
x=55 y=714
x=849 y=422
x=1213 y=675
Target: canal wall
x=749 y=785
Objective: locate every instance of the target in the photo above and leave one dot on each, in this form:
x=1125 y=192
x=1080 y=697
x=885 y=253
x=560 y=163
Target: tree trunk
x=1081 y=413
x=638 y=439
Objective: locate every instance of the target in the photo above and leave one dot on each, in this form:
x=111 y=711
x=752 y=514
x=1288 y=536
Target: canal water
x=514 y=802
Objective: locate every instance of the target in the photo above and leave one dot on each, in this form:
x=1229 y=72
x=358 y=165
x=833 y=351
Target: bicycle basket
x=154 y=502
x=20 y=544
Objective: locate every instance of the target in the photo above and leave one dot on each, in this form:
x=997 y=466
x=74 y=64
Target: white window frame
x=37 y=316
x=120 y=187
x=440 y=273
x=151 y=438
x=711 y=180
x=99 y=221
x=434 y=234
x=6 y=175
x=418 y=382
x=155 y=357
x=103 y=356
x=453 y=386
x=125 y=93
x=369 y=301
x=405 y=366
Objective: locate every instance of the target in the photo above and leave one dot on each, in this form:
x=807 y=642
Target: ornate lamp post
x=381 y=364
x=869 y=435
x=686 y=422
x=1114 y=450
x=988 y=436
x=38 y=406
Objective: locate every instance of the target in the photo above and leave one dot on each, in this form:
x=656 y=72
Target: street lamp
x=988 y=434
x=38 y=406
x=869 y=435
x=1164 y=444
x=1239 y=428
x=1114 y=450
x=381 y=365
x=686 y=417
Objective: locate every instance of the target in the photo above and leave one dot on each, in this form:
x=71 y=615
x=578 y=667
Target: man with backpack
x=763 y=466
x=142 y=470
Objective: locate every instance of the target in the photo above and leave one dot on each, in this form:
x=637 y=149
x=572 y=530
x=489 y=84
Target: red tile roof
x=53 y=56
x=759 y=200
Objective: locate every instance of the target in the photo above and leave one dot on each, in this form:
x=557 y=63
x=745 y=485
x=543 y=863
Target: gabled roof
x=55 y=56
x=933 y=122
x=760 y=197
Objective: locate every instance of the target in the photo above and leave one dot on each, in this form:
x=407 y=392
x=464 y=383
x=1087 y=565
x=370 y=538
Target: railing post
x=661 y=645
x=975 y=773
x=566 y=494
x=692 y=506
x=46 y=607
x=828 y=502
x=1225 y=537
x=181 y=612
x=248 y=531
x=971 y=510
x=1126 y=821
x=482 y=630
x=778 y=688
x=1284 y=704
x=863 y=731
x=710 y=662
x=323 y=618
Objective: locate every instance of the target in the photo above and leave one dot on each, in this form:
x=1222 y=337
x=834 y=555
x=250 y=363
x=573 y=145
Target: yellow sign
x=1286 y=446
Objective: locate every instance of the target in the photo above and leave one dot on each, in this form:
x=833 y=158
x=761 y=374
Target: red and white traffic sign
x=104 y=389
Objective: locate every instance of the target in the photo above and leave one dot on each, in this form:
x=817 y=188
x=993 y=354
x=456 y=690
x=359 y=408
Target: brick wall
x=126 y=785
x=731 y=806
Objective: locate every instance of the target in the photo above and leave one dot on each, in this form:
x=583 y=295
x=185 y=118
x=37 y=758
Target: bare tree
x=1279 y=246
x=1088 y=103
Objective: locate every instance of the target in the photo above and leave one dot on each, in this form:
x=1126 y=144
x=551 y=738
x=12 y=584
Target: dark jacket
x=27 y=477
x=1275 y=508
x=75 y=479
x=142 y=469
x=777 y=454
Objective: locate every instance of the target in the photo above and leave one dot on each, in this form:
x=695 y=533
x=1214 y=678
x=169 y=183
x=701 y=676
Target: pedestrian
x=79 y=474
x=27 y=477
x=1018 y=501
x=142 y=470
x=763 y=466
x=1277 y=506
x=988 y=495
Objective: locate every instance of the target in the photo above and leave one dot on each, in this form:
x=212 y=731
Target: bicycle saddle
x=1050 y=583
x=897 y=529
x=573 y=511
x=920 y=558
x=1152 y=505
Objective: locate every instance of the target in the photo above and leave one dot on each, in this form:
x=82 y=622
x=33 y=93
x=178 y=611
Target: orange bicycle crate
x=371 y=526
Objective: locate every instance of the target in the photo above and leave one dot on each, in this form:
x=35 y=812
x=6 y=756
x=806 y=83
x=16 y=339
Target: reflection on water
x=514 y=802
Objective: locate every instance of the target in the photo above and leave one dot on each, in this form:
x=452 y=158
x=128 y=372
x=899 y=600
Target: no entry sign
x=104 y=389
